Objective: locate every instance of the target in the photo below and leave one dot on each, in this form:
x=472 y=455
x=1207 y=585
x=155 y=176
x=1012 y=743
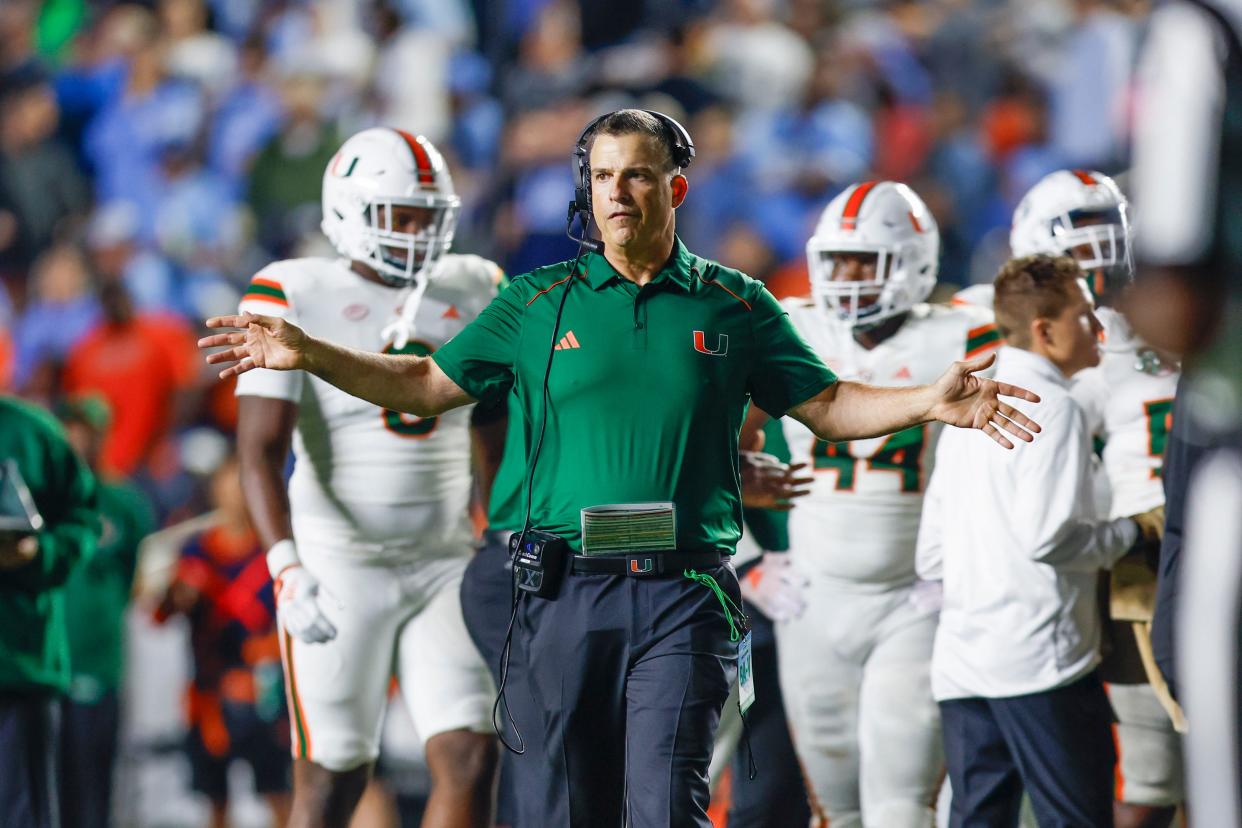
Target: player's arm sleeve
x=785 y=370
x=480 y=359
x=982 y=338
x=266 y=295
x=69 y=507
x=770 y=528
x=1056 y=475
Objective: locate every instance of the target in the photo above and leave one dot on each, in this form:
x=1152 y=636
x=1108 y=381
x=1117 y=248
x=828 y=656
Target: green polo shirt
x=648 y=387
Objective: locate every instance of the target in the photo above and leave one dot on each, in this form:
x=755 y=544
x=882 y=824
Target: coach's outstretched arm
x=411 y=384
x=854 y=411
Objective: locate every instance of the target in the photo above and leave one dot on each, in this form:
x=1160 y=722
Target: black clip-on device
x=539 y=563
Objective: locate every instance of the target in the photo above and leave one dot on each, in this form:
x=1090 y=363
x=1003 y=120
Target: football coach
x=633 y=366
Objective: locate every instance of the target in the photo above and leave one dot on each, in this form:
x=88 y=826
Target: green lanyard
x=726 y=602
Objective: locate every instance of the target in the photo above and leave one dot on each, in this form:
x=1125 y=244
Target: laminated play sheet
x=628 y=527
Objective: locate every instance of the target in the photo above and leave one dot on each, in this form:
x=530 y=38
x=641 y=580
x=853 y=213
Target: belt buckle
x=643 y=565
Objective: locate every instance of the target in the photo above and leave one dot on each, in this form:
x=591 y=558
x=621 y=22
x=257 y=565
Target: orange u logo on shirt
x=700 y=344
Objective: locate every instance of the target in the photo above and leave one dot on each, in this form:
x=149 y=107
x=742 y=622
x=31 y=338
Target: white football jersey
x=1128 y=399
x=860 y=523
x=372 y=478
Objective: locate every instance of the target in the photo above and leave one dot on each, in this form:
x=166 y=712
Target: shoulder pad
x=469 y=272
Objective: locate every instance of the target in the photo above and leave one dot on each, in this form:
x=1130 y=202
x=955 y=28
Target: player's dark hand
x=767 y=483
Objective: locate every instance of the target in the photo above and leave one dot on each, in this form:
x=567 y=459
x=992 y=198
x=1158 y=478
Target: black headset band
x=683 y=146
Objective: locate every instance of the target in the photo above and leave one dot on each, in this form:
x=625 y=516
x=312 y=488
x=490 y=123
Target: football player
x=368 y=544
x=854 y=663
x=1128 y=399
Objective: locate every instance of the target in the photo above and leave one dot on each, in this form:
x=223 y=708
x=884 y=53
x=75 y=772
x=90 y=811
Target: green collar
x=599 y=271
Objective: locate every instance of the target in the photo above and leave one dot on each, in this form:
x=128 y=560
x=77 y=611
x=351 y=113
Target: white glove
x=297 y=600
x=775 y=588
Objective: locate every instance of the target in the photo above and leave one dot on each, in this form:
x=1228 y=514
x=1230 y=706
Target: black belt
x=645 y=564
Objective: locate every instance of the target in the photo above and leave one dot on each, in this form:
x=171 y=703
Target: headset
x=682 y=152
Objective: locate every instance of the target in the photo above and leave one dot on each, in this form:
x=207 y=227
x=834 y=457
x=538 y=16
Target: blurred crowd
x=153 y=156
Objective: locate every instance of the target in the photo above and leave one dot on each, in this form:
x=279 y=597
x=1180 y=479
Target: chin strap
x=400 y=331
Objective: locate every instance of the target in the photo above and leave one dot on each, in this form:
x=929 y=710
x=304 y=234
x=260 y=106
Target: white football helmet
x=888 y=220
x=1079 y=213
x=374 y=172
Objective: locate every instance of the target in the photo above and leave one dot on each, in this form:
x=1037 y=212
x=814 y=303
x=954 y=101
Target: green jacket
x=97 y=593
x=34 y=645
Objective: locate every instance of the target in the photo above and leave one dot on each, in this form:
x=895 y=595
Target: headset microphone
x=584 y=241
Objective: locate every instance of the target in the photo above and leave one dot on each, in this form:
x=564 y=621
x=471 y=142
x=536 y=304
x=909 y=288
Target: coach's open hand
x=262 y=342
x=966 y=400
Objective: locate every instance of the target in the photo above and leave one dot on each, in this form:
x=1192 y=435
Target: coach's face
x=633 y=190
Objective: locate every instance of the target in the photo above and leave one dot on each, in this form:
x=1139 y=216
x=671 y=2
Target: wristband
x=281 y=556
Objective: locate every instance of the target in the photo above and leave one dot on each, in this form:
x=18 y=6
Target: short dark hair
x=1030 y=288
x=635 y=122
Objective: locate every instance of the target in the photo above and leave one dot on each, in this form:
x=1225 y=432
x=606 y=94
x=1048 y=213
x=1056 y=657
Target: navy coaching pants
x=1057 y=744
x=629 y=676
x=486 y=602
x=29 y=748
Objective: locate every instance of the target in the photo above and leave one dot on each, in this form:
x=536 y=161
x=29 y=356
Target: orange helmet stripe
x=422 y=161
x=849 y=217
x=1085 y=177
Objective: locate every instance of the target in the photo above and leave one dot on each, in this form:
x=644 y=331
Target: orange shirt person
x=139 y=364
